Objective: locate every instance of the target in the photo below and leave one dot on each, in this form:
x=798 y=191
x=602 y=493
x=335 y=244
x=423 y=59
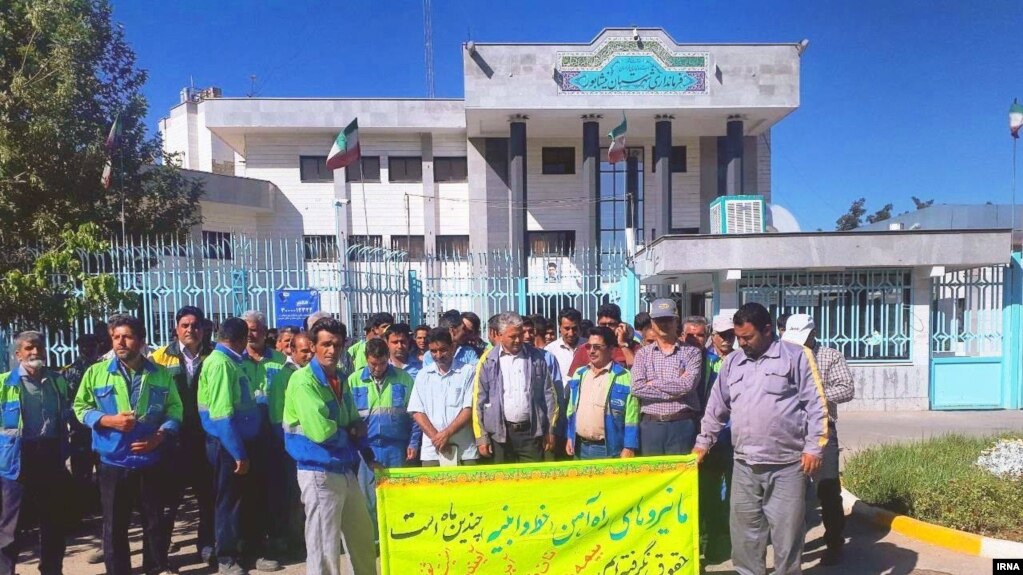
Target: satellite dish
x=780 y=220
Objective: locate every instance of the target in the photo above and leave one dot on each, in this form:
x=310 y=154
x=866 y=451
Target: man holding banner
x=779 y=415
x=515 y=403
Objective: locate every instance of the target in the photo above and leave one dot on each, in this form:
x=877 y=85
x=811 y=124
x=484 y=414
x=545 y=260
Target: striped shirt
x=666 y=384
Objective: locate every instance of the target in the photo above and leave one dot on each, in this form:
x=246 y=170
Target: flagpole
x=120 y=170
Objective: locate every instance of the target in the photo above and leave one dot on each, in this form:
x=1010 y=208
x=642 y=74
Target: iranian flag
x=114 y=137
x=616 y=153
x=1015 y=118
x=346 y=147
x=108 y=171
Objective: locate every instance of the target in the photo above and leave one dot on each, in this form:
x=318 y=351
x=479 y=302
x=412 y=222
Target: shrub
x=938 y=481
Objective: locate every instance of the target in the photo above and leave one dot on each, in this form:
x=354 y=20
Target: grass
x=937 y=481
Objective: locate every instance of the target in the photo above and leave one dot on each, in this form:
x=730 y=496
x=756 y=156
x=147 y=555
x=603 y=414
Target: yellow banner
x=607 y=517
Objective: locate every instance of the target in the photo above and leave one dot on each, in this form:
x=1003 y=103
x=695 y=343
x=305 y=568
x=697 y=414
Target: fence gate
x=967 y=331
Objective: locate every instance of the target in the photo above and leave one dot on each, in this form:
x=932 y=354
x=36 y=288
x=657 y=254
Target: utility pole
x=428 y=46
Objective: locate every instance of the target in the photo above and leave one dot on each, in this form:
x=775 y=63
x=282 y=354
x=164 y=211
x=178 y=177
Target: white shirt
x=191 y=362
x=516 y=395
x=563 y=353
x=441 y=398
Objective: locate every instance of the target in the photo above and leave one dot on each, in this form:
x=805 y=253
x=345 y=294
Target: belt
x=592 y=442
x=670 y=417
x=523 y=426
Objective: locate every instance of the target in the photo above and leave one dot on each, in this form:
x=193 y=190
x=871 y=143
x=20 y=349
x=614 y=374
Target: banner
x=292 y=306
x=606 y=517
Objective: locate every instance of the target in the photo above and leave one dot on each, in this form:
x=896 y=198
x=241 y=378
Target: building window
x=621 y=197
x=368 y=164
x=864 y=314
x=320 y=248
x=558 y=160
x=414 y=246
x=314 y=169
x=677 y=161
x=216 y=245
x=453 y=245
x=551 y=243
x=450 y=170
x=405 y=169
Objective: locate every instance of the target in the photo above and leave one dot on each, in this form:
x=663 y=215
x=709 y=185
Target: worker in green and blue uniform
x=325 y=435
x=34 y=428
x=602 y=413
x=268 y=471
x=133 y=408
x=381 y=393
x=378 y=324
x=233 y=422
x=300 y=353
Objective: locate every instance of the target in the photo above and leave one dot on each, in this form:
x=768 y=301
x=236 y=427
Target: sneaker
x=231 y=569
x=265 y=564
x=207 y=555
x=95 y=557
x=832 y=556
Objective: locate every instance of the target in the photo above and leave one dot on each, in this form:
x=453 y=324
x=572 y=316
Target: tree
x=853 y=218
x=881 y=215
x=45 y=293
x=66 y=72
x=920 y=204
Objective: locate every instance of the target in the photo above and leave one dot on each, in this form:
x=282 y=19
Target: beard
x=33 y=364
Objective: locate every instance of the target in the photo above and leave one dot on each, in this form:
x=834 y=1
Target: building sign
x=293 y=306
x=627 y=66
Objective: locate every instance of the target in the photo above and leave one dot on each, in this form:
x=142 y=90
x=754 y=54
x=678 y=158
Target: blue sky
x=899 y=99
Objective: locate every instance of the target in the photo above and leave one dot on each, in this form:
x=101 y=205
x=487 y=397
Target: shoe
x=207 y=555
x=231 y=569
x=832 y=556
x=264 y=564
x=94 y=557
x=173 y=547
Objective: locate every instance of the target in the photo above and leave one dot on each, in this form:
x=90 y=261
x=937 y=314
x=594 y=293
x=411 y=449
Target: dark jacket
x=488 y=399
x=170 y=356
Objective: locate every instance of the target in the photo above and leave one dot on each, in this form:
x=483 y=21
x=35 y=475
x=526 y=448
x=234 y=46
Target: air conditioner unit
x=738 y=215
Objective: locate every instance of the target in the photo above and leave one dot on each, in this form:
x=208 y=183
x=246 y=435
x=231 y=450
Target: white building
x=527 y=145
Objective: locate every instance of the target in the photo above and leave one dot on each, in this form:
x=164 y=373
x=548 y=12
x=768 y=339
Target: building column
x=517 y=196
x=733 y=156
x=431 y=197
x=662 y=161
x=591 y=176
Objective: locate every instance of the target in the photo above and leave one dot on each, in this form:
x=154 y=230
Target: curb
x=952 y=539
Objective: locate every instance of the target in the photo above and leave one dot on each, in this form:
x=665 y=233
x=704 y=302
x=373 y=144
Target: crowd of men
x=278 y=433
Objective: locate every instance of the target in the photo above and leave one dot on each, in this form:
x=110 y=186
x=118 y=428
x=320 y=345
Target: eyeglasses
x=598 y=347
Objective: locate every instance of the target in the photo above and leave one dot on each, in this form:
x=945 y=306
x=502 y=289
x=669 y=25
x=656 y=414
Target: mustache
x=33 y=363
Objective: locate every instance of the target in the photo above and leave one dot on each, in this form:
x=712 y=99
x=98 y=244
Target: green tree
x=65 y=72
x=920 y=204
x=853 y=218
x=881 y=215
x=45 y=294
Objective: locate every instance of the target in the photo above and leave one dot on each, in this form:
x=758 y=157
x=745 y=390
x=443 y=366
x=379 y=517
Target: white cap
x=722 y=323
x=798 y=328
